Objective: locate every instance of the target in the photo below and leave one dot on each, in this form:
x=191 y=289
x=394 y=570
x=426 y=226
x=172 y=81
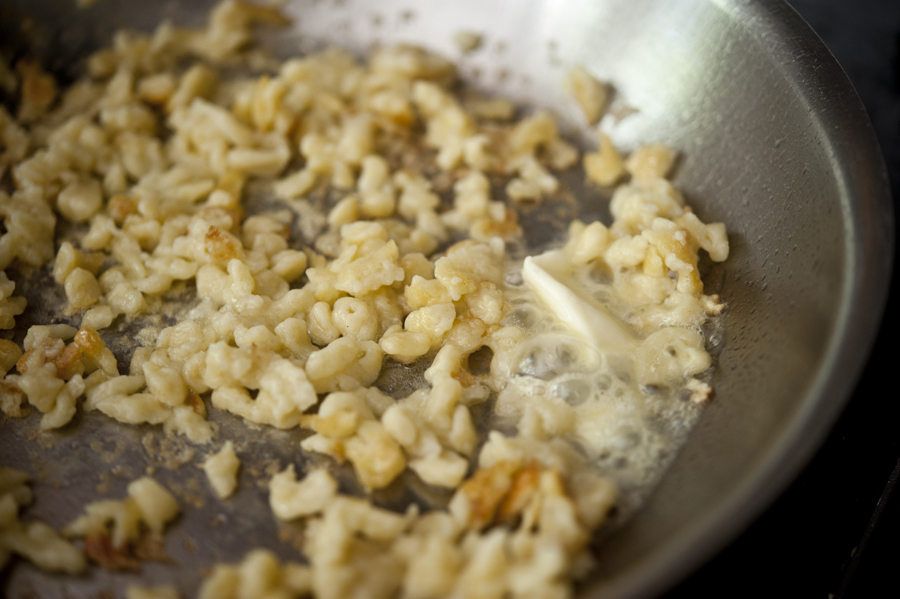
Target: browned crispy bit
x=524 y=486
x=220 y=246
x=22 y=364
x=196 y=404
x=9 y=354
x=38 y=89
x=151 y=548
x=89 y=342
x=486 y=490
x=215 y=213
x=508 y=227
x=120 y=206
x=11 y=400
x=465 y=377
x=99 y=548
x=68 y=362
x=95 y=353
x=36 y=357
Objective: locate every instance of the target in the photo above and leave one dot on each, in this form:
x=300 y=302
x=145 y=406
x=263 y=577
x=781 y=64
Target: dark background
x=835 y=532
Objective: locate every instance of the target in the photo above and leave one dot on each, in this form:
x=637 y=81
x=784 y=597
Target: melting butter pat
x=549 y=277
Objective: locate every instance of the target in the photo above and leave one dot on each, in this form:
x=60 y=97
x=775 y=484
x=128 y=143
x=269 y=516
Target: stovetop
x=835 y=532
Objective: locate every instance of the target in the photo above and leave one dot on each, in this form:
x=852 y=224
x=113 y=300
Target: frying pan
x=774 y=142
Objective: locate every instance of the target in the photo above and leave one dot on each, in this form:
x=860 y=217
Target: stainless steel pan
x=775 y=143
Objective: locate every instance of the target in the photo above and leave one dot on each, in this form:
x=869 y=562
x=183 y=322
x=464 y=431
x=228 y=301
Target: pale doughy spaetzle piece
x=148 y=504
x=290 y=498
x=221 y=470
x=591 y=94
x=259 y=575
x=35 y=541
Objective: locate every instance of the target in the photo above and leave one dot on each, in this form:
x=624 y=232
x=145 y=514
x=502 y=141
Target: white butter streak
x=546 y=276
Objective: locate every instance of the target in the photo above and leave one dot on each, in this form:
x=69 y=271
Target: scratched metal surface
x=775 y=144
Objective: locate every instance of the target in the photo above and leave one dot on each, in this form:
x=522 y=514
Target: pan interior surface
x=773 y=142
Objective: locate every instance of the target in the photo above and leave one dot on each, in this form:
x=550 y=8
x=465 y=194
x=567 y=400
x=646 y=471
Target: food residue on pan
x=295 y=234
